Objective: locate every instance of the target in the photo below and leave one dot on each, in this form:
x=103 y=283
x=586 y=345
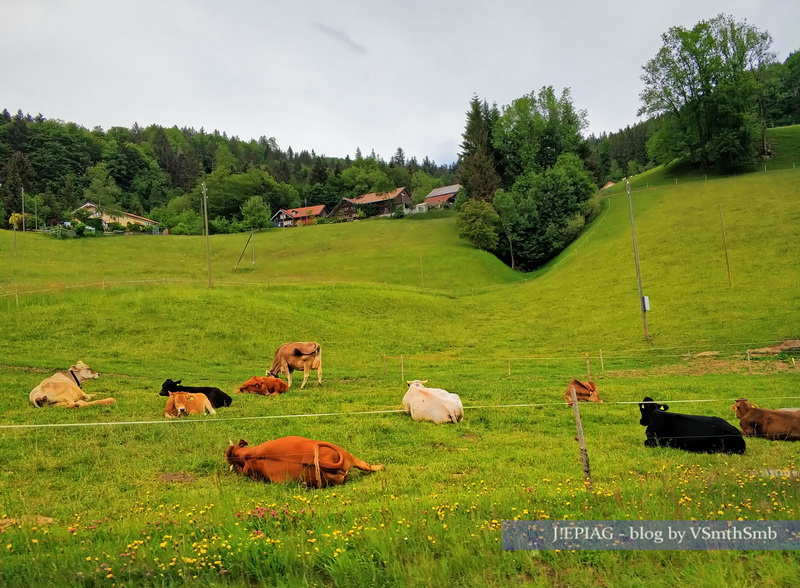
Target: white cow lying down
x=432 y=404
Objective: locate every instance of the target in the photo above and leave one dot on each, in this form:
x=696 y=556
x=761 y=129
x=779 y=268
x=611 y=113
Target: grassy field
x=118 y=496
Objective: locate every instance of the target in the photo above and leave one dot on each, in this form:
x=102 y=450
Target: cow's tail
x=339 y=464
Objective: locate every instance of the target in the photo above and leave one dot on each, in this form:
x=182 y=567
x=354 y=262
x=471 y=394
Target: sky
x=337 y=76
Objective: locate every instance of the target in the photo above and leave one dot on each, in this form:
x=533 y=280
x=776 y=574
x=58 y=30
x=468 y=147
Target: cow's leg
x=364 y=466
x=306 y=371
x=319 y=375
x=289 y=376
x=82 y=403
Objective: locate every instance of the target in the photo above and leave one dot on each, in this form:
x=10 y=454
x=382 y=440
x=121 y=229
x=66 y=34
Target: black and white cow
x=216 y=396
x=700 y=434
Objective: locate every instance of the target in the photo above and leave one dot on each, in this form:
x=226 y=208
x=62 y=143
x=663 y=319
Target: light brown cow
x=315 y=463
x=304 y=356
x=64 y=389
x=584 y=391
x=181 y=404
x=264 y=385
x=778 y=425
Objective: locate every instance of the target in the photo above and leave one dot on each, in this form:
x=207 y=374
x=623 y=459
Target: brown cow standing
x=304 y=356
x=264 y=385
x=584 y=392
x=315 y=463
x=778 y=425
x=181 y=404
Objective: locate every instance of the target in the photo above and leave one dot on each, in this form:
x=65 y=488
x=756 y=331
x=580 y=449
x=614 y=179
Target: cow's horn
x=230 y=441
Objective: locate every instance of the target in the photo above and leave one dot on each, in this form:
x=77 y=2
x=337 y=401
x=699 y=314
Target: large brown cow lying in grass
x=304 y=356
x=64 y=389
x=181 y=404
x=778 y=425
x=315 y=463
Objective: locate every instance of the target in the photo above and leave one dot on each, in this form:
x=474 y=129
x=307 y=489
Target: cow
x=64 y=389
x=699 y=434
x=264 y=385
x=304 y=356
x=315 y=463
x=180 y=404
x=584 y=392
x=432 y=404
x=777 y=425
x=217 y=397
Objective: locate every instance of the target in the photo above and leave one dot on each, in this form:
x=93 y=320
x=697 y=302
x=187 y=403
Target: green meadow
x=117 y=495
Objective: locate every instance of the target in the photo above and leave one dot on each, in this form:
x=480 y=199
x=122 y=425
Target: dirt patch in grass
x=33 y=520
x=177 y=477
x=700 y=365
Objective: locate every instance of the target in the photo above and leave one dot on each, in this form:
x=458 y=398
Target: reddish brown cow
x=315 y=463
x=265 y=386
x=304 y=356
x=584 y=391
x=778 y=425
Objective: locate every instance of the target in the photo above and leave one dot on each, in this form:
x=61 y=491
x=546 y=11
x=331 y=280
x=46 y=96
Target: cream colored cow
x=64 y=389
x=432 y=404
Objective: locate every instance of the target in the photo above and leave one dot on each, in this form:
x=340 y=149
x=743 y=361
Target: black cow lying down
x=700 y=434
x=216 y=396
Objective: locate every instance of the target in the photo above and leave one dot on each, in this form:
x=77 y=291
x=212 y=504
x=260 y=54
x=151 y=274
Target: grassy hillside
x=117 y=494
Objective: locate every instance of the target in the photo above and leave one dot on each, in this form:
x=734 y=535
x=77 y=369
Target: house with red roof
x=443 y=197
x=373 y=204
x=292 y=217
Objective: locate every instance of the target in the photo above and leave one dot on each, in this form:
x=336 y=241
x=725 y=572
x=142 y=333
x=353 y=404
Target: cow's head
x=647 y=407
x=83 y=372
x=272 y=374
x=180 y=402
x=741 y=407
x=255 y=385
x=169 y=386
x=234 y=459
x=420 y=383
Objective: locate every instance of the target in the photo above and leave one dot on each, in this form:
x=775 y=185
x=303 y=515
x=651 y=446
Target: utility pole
x=208 y=243
x=642 y=300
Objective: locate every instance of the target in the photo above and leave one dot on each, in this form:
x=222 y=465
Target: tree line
x=54 y=167
x=527 y=172
x=530 y=178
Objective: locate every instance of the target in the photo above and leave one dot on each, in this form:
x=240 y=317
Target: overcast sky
x=334 y=76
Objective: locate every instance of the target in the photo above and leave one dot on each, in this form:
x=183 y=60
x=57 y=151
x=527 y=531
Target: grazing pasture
x=118 y=495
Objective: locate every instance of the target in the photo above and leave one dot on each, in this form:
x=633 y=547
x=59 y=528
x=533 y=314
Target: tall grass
x=117 y=495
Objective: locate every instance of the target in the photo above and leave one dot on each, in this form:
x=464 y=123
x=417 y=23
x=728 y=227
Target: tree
x=477 y=222
x=102 y=191
x=256 y=213
x=477 y=172
x=708 y=81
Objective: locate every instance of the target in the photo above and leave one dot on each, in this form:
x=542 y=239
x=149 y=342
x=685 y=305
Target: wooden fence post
x=587 y=473
x=588 y=368
x=384 y=366
x=402 y=370
x=602 y=367
x=509 y=367
x=749 y=365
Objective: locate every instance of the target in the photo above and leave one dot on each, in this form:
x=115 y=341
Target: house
x=292 y=217
x=443 y=197
x=123 y=218
x=374 y=204
x=608 y=185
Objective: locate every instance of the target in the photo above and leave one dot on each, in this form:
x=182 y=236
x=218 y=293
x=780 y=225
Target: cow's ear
x=242 y=443
x=663 y=407
x=641 y=407
x=177 y=381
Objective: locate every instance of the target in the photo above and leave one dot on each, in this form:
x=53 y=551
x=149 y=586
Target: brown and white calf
x=778 y=425
x=299 y=355
x=180 y=404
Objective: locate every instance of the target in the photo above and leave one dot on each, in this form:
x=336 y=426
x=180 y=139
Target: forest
x=527 y=171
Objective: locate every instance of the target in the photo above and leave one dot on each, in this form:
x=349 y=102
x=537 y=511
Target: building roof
x=92 y=205
x=438 y=199
x=376 y=196
x=443 y=191
x=304 y=212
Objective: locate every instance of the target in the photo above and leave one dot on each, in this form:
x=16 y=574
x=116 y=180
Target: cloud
x=342 y=38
